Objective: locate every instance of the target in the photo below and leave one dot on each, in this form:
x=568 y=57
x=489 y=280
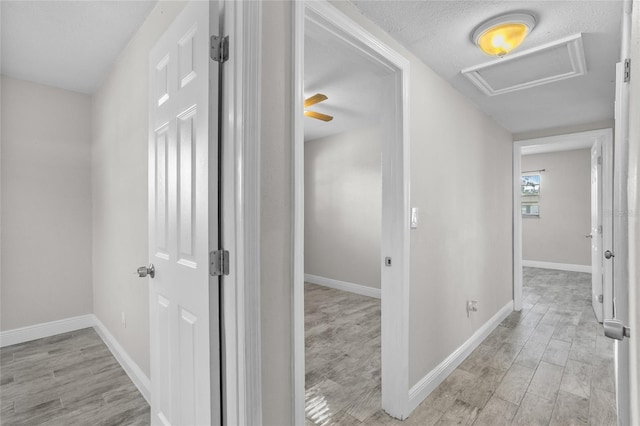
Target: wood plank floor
x=342 y=356
x=67 y=379
x=549 y=364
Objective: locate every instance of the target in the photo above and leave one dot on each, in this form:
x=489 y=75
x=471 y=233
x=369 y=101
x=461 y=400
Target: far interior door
x=184 y=323
x=596 y=231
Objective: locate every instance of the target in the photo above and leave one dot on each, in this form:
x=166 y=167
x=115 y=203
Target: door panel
x=185 y=369
x=596 y=229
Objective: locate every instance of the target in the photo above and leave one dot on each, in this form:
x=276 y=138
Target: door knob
x=150 y=270
x=588 y=236
x=608 y=254
x=614 y=329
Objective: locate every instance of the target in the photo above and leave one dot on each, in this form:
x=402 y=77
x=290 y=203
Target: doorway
x=598 y=227
x=563 y=199
x=344 y=126
x=325 y=21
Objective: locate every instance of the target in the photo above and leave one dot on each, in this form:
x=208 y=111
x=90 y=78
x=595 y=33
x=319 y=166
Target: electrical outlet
x=472 y=306
x=124 y=320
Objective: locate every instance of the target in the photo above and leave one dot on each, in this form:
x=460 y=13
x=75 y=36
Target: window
x=530 y=194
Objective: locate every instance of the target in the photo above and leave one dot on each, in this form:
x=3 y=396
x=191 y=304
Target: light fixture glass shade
x=500 y=35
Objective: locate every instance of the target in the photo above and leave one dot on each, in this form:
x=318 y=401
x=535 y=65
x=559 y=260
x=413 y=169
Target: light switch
x=414 y=217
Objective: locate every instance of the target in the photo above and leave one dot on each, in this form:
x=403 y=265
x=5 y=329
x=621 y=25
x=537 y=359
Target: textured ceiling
x=72 y=44
x=439 y=33
x=67 y=44
x=355 y=97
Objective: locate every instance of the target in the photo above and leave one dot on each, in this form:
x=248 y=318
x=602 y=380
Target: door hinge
x=219 y=263
x=600 y=298
x=627 y=70
x=599 y=229
x=600 y=161
x=220 y=48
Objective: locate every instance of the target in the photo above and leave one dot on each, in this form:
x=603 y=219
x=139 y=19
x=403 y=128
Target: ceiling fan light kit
x=317 y=98
x=318 y=115
x=500 y=35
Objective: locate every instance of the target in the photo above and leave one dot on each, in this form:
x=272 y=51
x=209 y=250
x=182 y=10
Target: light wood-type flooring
x=549 y=364
x=67 y=379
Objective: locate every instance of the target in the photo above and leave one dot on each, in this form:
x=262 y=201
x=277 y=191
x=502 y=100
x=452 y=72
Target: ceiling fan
x=317 y=98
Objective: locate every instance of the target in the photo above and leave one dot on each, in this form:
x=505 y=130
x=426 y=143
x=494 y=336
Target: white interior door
x=184 y=323
x=621 y=243
x=596 y=230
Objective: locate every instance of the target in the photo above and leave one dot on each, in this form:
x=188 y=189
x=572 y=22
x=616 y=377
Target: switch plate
x=414 y=217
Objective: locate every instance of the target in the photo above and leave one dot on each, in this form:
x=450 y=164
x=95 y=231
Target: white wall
x=343 y=205
x=119 y=189
x=46 y=204
x=276 y=215
x=557 y=236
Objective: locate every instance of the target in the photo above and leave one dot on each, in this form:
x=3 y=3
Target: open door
x=596 y=231
x=621 y=247
x=183 y=164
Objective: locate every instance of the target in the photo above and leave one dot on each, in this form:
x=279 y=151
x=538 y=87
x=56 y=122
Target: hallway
x=546 y=365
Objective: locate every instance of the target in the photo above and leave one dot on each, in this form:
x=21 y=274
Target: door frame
x=395 y=201
x=581 y=140
x=240 y=215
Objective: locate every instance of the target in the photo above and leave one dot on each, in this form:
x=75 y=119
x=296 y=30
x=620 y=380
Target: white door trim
x=46 y=329
x=557 y=266
x=395 y=233
x=242 y=365
x=542 y=145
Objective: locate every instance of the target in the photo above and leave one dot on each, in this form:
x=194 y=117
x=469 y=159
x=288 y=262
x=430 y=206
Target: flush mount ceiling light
x=500 y=35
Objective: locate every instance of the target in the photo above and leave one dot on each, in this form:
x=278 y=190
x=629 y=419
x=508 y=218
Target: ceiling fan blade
x=318 y=97
x=319 y=116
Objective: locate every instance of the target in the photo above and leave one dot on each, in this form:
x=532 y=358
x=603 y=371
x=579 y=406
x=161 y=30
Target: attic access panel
x=545 y=64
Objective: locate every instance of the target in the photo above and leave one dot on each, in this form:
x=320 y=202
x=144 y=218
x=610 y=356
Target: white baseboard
x=557 y=266
x=342 y=285
x=38 y=331
x=132 y=369
x=428 y=383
